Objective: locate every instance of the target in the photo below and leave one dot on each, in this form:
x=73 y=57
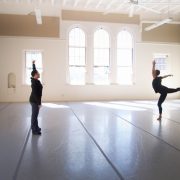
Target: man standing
x=35 y=99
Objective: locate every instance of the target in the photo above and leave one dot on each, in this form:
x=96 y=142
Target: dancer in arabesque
x=159 y=88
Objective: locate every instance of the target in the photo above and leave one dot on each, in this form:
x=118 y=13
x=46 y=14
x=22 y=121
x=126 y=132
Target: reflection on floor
x=91 y=141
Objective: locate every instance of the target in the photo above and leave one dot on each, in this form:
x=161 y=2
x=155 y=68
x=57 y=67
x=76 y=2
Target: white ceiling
x=148 y=9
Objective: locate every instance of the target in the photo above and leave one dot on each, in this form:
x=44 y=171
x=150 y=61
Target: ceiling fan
x=37 y=13
x=135 y=3
x=154 y=25
x=159 y=23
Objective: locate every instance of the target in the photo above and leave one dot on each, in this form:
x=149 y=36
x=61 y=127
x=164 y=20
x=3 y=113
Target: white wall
x=55 y=66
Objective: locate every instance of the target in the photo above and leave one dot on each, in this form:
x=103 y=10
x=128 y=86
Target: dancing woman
x=158 y=88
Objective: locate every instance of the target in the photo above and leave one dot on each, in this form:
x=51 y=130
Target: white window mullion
x=124 y=58
x=77 y=57
x=101 y=57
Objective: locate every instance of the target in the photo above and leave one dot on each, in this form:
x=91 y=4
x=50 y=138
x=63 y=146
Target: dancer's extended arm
x=33 y=65
x=169 y=75
x=153 y=69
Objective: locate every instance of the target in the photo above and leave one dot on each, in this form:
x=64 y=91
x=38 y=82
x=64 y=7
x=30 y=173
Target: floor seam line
x=5 y=106
x=171 y=120
x=100 y=149
x=21 y=155
x=147 y=132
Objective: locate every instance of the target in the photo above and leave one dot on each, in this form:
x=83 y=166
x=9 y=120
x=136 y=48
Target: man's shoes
x=38 y=129
x=36 y=132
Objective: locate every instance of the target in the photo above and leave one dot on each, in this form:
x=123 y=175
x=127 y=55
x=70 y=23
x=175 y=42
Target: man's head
x=35 y=74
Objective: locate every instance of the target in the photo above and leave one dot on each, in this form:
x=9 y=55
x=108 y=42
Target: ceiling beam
x=173 y=10
x=87 y=3
x=29 y=1
x=160 y=23
x=160 y=3
x=76 y=3
x=116 y=9
x=98 y=4
x=64 y=2
x=52 y=2
x=148 y=9
x=110 y=4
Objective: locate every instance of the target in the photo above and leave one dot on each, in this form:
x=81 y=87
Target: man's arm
x=153 y=69
x=33 y=65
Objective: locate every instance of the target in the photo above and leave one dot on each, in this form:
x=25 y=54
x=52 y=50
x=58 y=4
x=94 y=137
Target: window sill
x=92 y=84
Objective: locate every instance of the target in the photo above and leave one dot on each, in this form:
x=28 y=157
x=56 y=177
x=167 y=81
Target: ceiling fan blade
x=38 y=16
x=147 y=8
x=160 y=23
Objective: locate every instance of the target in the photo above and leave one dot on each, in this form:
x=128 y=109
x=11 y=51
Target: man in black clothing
x=35 y=99
x=158 y=88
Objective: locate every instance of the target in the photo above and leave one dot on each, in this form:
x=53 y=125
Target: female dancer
x=158 y=88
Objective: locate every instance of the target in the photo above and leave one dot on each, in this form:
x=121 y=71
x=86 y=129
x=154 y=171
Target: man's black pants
x=34 y=117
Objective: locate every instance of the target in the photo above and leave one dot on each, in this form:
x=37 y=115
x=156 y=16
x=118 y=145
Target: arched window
x=77 y=60
x=124 y=58
x=101 y=57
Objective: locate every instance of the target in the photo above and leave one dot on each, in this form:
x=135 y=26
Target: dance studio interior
x=98 y=114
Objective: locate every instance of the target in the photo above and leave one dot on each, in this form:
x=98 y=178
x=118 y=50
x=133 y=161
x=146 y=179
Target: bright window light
x=77 y=54
x=124 y=58
x=101 y=57
x=29 y=57
x=161 y=62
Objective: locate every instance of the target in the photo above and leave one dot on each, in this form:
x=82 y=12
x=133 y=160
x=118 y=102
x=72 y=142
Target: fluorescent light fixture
x=160 y=23
x=131 y=10
x=38 y=16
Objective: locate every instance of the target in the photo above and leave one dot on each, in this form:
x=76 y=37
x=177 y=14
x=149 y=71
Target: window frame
x=133 y=58
x=24 y=69
x=68 y=59
x=109 y=59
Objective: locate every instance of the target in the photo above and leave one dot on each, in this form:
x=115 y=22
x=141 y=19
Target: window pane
x=124 y=75
x=161 y=62
x=33 y=55
x=29 y=57
x=101 y=39
x=124 y=40
x=28 y=76
x=101 y=75
x=124 y=57
x=77 y=37
x=77 y=75
x=77 y=56
x=101 y=57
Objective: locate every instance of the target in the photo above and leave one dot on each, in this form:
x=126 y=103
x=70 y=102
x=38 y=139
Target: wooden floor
x=91 y=141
